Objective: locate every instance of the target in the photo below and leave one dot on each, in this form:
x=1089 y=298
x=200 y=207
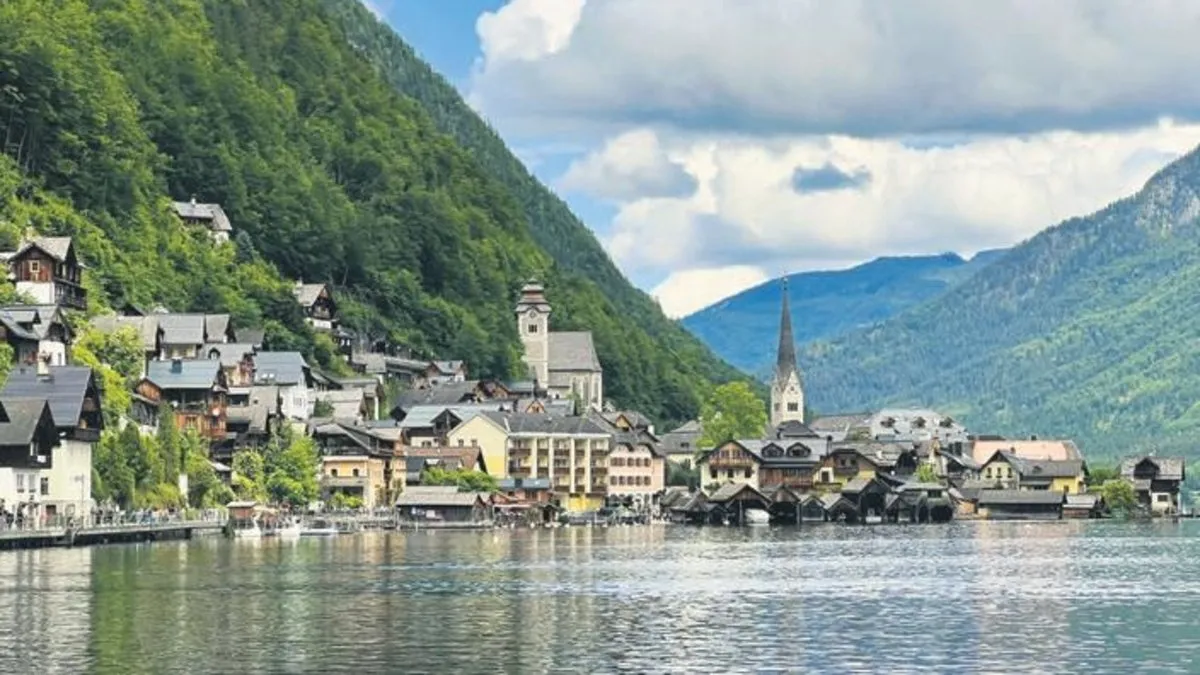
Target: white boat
x=251 y=532
x=320 y=528
x=291 y=530
x=757 y=517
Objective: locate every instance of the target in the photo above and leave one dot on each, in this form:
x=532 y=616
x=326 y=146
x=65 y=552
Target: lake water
x=960 y=598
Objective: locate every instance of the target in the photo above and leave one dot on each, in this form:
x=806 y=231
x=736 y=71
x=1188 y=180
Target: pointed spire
x=786 y=363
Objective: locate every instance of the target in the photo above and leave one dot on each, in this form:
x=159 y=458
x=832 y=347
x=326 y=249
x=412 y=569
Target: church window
x=793 y=407
x=532 y=327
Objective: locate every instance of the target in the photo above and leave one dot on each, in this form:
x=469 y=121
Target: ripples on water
x=968 y=597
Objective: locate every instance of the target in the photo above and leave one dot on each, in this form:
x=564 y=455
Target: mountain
x=1088 y=330
x=113 y=107
x=740 y=328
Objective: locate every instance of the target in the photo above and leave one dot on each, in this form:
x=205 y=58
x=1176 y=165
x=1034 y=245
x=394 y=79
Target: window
x=35 y=266
x=45 y=486
x=333 y=472
x=20 y=482
x=462 y=442
x=354 y=472
x=793 y=407
x=533 y=328
x=747 y=473
x=474 y=442
x=1161 y=498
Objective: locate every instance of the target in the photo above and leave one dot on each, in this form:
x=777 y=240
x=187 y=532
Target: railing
x=128 y=520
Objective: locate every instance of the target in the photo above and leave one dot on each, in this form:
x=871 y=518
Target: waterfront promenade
x=112 y=529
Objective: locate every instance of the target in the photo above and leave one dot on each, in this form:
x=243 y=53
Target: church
x=787 y=387
x=564 y=363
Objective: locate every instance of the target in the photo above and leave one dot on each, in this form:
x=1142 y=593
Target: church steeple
x=787 y=387
x=785 y=363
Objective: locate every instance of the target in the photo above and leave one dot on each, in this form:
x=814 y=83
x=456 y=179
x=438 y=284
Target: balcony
x=345 y=481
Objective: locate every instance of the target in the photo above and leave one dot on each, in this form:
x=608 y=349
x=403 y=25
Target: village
x=422 y=440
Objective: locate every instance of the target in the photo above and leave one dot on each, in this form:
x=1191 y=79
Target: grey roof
x=65 y=390
x=636 y=419
x=229 y=353
x=23 y=414
x=264 y=402
x=58 y=248
x=573 y=351
x=218 y=221
x=856 y=485
x=15 y=329
x=1010 y=497
x=307 y=294
x=283 y=368
x=420 y=416
x=145 y=326
x=253 y=336
x=436 y=499
x=35 y=320
x=794 y=429
x=536 y=424
x=347 y=403
x=838 y=423
x=533 y=295
x=184 y=374
x=216 y=327
x=1169 y=468
x=447 y=367
x=182 y=329
x=446 y=393
x=1032 y=469
x=1082 y=501
x=730 y=490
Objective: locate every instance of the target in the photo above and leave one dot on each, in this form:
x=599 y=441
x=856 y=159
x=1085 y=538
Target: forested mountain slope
x=1089 y=329
x=327 y=173
x=826 y=304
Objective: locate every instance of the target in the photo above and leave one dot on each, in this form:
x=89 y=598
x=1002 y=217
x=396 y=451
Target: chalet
x=209 y=216
x=1020 y=504
x=344 y=404
x=637 y=467
x=196 y=390
x=289 y=372
x=74 y=400
x=36 y=332
x=147 y=328
x=48 y=270
x=251 y=415
x=430 y=425
x=865 y=459
x=441 y=372
x=1006 y=470
x=764 y=464
x=369 y=387
x=1156 y=480
x=680 y=444
x=418 y=460
x=184 y=336
x=236 y=359
x=28 y=439
x=320 y=311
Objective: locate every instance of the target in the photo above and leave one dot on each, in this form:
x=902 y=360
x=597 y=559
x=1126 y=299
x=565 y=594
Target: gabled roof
x=307 y=294
x=58 y=248
x=794 y=429
x=216 y=327
x=181 y=374
x=1169 y=468
x=446 y=393
x=147 y=328
x=1013 y=497
x=447 y=367
x=185 y=329
x=982 y=450
x=421 y=416
x=35 y=320
x=439 y=499
x=573 y=351
x=228 y=353
x=535 y=424
x=64 y=389
x=346 y=403
x=218 y=221
x=730 y=491
x=22 y=416
x=281 y=368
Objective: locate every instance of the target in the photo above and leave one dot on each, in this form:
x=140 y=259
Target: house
x=196 y=391
x=1007 y=504
x=1156 y=480
x=73 y=397
x=565 y=363
x=28 y=439
x=418 y=460
x=983 y=448
x=1084 y=505
x=440 y=372
x=908 y=424
x=1004 y=469
x=185 y=335
x=681 y=444
x=251 y=416
x=236 y=359
x=837 y=427
x=443 y=506
x=344 y=404
x=764 y=464
x=209 y=216
x=36 y=332
x=732 y=500
x=289 y=372
x=369 y=388
x=48 y=270
x=358 y=476
x=320 y=311
x=147 y=328
x=571 y=451
x=637 y=469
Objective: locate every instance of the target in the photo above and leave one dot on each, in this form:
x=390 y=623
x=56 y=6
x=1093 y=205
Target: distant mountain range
x=742 y=328
x=1089 y=330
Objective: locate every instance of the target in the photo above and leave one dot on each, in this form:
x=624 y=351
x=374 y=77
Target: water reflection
x=969 y=597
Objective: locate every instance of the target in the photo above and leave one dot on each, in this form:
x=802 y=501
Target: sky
x=713 y=145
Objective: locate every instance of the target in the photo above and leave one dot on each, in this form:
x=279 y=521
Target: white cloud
x=376 y=8
x=747 y=214
x=685 y=292
x=630 y=166
x=859 y=67
x=527 y=30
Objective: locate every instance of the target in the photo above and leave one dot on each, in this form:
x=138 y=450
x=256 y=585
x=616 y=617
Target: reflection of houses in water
x=46 y=607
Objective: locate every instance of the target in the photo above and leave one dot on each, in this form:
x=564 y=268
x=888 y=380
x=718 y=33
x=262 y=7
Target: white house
x=289 y=372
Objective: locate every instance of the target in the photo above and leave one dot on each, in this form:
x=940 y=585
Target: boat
x=252 y=531
x=291 y=530
x=320 y=528
x=757 y=517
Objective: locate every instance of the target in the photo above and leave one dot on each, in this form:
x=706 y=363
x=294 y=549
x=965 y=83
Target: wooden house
x=1156 y=481
x=36 y=333
x=196 y=390
x=1020 y=504
x=211 y=217
x=320 y=310
x=48 y=269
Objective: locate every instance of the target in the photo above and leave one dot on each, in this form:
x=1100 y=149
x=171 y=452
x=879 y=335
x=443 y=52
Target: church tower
x=787 y=387
x=533 y=324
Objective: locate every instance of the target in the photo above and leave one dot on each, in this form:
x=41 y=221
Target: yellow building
x=359 y=476
x=1007 y=470
x=570 y=451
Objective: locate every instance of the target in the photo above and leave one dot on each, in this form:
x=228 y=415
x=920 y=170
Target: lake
x=1069 y=596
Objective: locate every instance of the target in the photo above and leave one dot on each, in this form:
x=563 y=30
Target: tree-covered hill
x=1087 y=330
x=826 y=304
x=112 y=107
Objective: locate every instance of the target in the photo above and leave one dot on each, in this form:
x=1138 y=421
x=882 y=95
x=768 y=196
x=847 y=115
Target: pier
x=107 y=533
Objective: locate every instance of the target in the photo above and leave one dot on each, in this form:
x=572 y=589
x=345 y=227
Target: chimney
x=176 y=365
x=193 y=200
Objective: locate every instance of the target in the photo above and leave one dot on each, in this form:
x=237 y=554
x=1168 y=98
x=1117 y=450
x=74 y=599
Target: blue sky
x=713 y=145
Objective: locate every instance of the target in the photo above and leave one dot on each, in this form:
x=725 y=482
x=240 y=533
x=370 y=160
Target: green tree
x=926 y=473
x=683 y=474
x=169 y=443
x=120 y=350
x=1119 y=497
x=292 y=473
x=250 y=475
x=1099 y=475
x=732 y=410
x=322 y=409
x=466 y=480
x=205 y=489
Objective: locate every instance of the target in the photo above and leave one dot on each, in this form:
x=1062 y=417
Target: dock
x=105 y=534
